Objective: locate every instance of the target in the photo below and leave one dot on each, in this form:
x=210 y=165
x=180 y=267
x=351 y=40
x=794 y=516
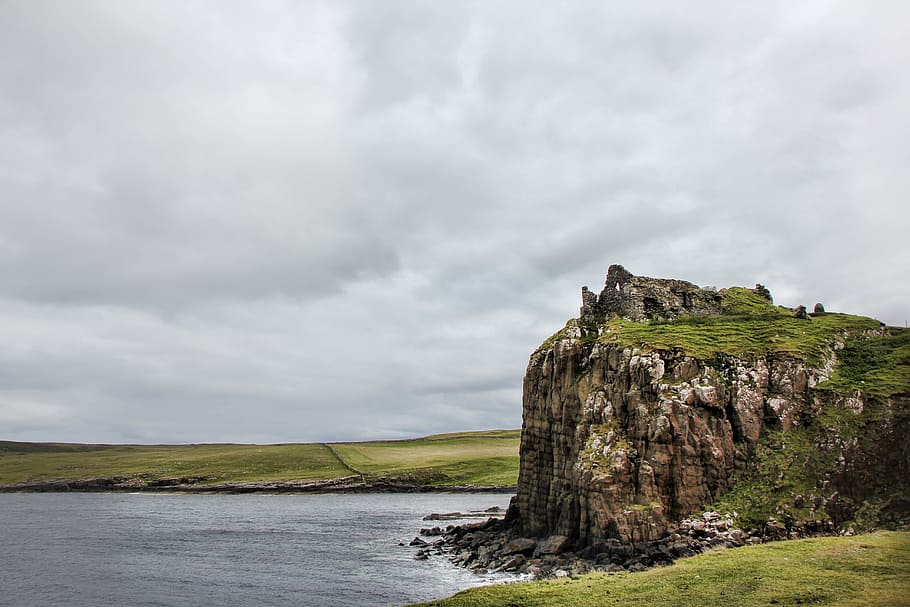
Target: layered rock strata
x=620 y=444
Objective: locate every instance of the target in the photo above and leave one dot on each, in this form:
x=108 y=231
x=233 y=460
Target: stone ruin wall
x=642 y=298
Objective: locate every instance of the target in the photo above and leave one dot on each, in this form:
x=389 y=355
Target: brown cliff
x=662 y=396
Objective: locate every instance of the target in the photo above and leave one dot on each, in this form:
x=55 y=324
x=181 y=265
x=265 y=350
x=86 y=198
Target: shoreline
x=497 y=546
x=348 y=484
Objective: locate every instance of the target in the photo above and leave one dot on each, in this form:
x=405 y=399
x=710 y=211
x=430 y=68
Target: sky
x=311 y=221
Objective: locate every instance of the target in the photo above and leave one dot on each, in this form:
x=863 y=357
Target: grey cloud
x=313 y=221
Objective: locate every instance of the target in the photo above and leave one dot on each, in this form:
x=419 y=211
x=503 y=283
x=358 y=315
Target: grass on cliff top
x=478 y=458
x=835 y=571
x=749 y=325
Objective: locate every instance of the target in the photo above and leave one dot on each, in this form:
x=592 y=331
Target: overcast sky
x=305 y=221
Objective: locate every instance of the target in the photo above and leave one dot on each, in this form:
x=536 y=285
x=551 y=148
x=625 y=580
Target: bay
x=190 y=549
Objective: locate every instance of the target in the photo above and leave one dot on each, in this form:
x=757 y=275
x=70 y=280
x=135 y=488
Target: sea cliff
x=668 y=418
x=662 y=397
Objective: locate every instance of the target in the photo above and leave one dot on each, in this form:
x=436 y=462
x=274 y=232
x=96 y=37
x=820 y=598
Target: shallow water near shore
x=177 y=549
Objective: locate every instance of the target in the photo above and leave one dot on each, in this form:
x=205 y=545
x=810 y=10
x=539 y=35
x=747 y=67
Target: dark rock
x=636 y=566
x=418 y=542
x=555 y=544
x=763 y=291
x=513 y=564
x=521 y=545
x=800 y=312
x=448 y=516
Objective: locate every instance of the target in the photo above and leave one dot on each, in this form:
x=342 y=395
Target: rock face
x=488 y=546
x=622 y=442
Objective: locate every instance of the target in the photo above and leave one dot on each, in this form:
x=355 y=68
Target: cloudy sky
x=304 y=221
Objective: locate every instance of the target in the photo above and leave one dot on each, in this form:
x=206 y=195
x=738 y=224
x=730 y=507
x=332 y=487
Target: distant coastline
x=350 y=484
x=477 y=462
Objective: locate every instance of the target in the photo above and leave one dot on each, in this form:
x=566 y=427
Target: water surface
x=184 y=549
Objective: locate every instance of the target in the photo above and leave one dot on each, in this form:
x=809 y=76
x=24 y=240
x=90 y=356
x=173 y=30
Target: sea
x=164 y=549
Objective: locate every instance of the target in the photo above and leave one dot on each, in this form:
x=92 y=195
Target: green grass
x=478 y=458
x=750 y=325
x=836 y=571
x=879 y=366
x=220 y=463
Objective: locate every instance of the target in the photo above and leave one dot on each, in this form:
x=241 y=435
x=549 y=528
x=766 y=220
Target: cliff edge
x=663 y=398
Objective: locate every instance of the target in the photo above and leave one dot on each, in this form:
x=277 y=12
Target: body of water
x=183 y=549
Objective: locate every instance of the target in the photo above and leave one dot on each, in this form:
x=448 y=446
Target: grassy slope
x=481 y=458
x=220 y=462
x=848 y=572
x=478 y=458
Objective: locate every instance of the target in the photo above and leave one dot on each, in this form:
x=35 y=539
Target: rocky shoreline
x=348 y=484
x=493 y=546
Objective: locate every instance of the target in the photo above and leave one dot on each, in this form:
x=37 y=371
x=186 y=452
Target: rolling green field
x=855 y=571
x=476 y=458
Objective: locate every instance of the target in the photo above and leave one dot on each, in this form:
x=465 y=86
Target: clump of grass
x=835 y=571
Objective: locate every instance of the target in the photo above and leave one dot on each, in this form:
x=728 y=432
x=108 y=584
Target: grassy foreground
x=855 y=571
x=475 y=458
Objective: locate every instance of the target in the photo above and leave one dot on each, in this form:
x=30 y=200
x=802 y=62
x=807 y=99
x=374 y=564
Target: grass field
x=478 y=458
x=843 y=571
